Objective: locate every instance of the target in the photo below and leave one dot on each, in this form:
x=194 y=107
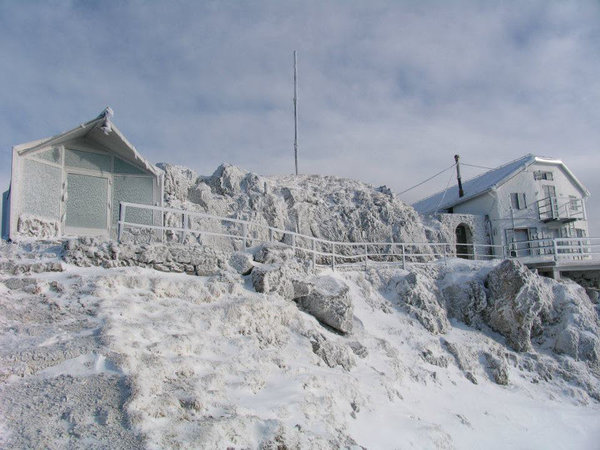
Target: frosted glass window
x=87 y=160
x=52 y=155
x=87 y=201
x=133 y=190
x=123 y=167
x=40 y=189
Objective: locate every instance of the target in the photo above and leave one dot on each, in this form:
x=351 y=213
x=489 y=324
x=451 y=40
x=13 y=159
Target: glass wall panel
x=123 y=167
x=52 y=155
x=87 y=160
x=40 y=189
x=134 y=190
x=86 y=201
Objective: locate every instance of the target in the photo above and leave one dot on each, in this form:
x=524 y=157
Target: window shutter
x=522 y=201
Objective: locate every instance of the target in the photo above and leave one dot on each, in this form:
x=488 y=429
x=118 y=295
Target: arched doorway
x=464 y=241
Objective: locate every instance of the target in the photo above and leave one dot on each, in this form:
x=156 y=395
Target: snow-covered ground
x=132 y=357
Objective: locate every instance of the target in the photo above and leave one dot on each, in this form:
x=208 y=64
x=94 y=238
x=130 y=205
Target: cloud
x=389 y=91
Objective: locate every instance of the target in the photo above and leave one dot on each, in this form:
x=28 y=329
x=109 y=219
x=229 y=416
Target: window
x=573 y=203
x=541 y=175
x=518 y=200
x=579 y=233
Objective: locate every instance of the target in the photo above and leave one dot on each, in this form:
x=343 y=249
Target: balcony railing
x=561 y=209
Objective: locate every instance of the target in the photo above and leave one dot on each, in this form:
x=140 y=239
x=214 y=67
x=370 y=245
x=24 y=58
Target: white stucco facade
x=528 y=199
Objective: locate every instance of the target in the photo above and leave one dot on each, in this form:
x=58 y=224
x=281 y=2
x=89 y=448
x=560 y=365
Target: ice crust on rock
x=329 y=302
x=321 y=206
x=524 y=307
x=420 y=295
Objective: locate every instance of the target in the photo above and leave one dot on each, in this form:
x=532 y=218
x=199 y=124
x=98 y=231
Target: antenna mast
x=295 y=114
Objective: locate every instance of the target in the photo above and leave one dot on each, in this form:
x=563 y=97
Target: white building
x=528 y=199
x=71 y=184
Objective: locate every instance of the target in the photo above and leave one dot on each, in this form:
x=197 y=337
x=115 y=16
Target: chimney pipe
x=461 y=193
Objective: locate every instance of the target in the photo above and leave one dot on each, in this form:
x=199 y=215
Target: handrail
x=558 y=248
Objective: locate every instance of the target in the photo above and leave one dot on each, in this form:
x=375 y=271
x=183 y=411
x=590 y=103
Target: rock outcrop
x=420 y=296
x=321 y=206
x=329 y=302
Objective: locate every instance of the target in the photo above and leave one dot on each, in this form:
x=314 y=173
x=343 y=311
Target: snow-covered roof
x=100 y=130
x=486 y=182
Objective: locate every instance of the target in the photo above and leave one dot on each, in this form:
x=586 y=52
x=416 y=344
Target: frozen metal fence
x=179 y=225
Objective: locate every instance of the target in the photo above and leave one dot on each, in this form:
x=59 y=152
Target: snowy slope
x=126 y=357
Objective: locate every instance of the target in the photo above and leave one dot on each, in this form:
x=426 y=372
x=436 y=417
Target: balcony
x=561 y=210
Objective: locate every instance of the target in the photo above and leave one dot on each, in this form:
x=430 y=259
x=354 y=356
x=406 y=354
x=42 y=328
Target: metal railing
x=186 y=225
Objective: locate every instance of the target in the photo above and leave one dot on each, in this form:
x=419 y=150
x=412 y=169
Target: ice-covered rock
x=421 y=296
x=273 y=253
x=517 y=303
x=329 y=302
x=321 y=206
x=274 y=278
x=465 y=301
x=241 y=262
x=498 y=367
x=332 y=353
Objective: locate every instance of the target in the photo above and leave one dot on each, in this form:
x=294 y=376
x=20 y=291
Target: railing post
x=121 y=220
x=314 y=255
x=555 y=248
x=270 y=234
x=333 y=255
x=245 y=235
x=403 y=257
x=184 y=225
x=474 y=252
x=366 y=257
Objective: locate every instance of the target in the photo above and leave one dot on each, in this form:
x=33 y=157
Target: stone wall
x=177 y=258
x=442 y=228
x=37 y=227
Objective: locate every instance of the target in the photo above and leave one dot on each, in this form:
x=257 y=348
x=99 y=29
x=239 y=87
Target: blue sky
x=388 y=91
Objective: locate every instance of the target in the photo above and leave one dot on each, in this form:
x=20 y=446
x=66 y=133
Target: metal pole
x=295 y=113
x=121 y=220
x=403 y=257
x=366 y=257
x=460 y=188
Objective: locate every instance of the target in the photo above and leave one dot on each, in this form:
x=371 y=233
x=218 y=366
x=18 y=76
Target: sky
x=389 y=91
